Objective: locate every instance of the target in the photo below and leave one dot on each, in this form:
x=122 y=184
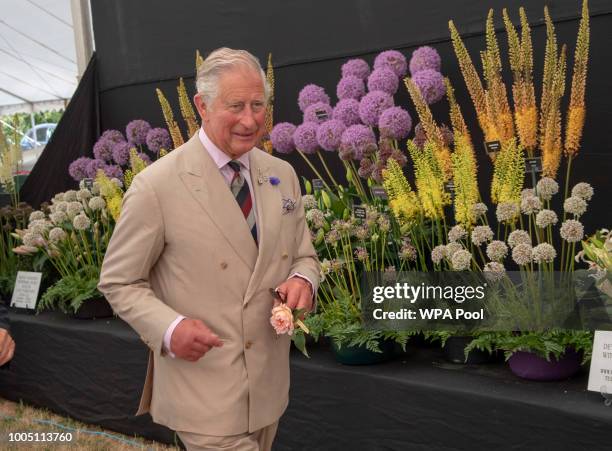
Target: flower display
x=311 y=94
x=136 y=132
x=350 y=87
x=318 y=113
x=425 y=57
x=305 y=137
x=78 y=169
x=282 y=137
x=572 y=231
x=347 y=111
x=372 y=105
x=359 y=140
x=157 y=139
x=103 y=149
x=395 y=123
x=583 y=190
x=431 y=84
x=329 y=134
x=394 y=60
x=121 y=153
x=383 y=79
x=357 y=68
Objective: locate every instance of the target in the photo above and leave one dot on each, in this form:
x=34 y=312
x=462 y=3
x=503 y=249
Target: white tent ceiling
x=38 y=69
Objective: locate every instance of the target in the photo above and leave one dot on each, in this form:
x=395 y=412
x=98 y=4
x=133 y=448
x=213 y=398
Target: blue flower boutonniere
x=262 y=177
x=274 y=181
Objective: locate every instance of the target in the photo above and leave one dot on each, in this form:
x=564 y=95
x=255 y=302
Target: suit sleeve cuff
x=168 y=335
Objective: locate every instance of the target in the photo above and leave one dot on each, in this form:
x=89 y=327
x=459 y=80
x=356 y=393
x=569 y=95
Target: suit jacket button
x=285 y=255
x=223 y=265
x=248 y=344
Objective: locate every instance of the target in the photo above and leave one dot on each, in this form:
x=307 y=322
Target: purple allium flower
x=282 y=137
x=318 y=113
x=350 y=87
x=113 y=171
x=93 y=166
x=377 y=171
x=347 y=111
x=383 y=79
x=400 y=157
x=359 y=140
x=356 y=67
x=311 y=94
x=425 y=57
x=372 y=105
x=431 y=84
x=113 y=135
x=158 y=139
x=393 y=60
x=329 y=134
x=385 y=149
x=136 y=131
x=274 y=180
x=78 y=168
x=121 y=153
x=103 y=149
x=305 y=137
x=144 y=157
x=395 y=123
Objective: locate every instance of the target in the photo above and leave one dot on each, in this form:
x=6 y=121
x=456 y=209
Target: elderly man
x=204 y=234
x=7 y=345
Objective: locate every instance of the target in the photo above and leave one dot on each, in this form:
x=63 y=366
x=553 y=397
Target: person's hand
x=297 y=294
x=7 y=347
x=191 y=339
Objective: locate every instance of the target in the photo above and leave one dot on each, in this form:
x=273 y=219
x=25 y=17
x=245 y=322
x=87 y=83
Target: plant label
x=533 y=164
x=359 y=212
x=379 y=192
x=600 y=375
x=317 y=184
x=26 y=289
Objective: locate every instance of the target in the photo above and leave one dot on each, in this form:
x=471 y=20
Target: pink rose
x=282 y=319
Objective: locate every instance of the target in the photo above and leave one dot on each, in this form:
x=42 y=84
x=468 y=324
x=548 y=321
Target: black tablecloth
x=93 y=372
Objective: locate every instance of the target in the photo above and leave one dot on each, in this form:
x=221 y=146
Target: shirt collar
x=219 y=157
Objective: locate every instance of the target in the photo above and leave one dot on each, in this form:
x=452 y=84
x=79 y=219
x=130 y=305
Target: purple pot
x=533 y=367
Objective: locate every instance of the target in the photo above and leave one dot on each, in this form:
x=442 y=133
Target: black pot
x=454 y=351
x=94 y=308
x=360 y=355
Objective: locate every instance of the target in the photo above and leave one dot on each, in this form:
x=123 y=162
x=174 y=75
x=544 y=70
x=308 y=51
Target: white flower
x=361 y=233
x=59 y=197
x=36 y=215
x=575 y=205
x=61 y=206
x=546 y=218
x=56 y=234
x=461 y=260
x=481 y=234
x=118 y=183
x=383 y=223
x=522 y=253
x=70 y=195
x=83 y=195
x=456 y=233
x=97 y=203
x=527 y=192
x=408 y=252
x=95 y=189
x=438 y=253
x=547 y=188
x=58 y=217
x=572 y=231
x=494 y=271
x=39 y=226
x=73 y=209
x=544 y=253
x=451 y=249
x=81 y=222
x=32 y=239
x=583 y=190
x=479 y=209
x=316 y=218
x=530 y=205
x=497 y=250
x=518 y=237
x=309 y=201
x=507 y=211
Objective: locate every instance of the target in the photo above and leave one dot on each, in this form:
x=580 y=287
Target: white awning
x=38 y=68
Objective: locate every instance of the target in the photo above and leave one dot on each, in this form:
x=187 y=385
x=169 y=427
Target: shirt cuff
x=168 y=335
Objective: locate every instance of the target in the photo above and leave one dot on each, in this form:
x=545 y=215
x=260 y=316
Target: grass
x=15 y=417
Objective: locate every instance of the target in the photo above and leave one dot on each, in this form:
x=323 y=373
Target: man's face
x=234 y=121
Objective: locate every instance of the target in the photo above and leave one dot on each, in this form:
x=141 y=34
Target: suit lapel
x=205 y=183
x=268 y=202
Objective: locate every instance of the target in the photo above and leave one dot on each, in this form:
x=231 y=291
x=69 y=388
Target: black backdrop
x=143 y=45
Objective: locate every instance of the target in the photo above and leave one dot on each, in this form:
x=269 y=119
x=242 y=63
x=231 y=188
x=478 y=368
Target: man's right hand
x=7 y=347
x=191 y=339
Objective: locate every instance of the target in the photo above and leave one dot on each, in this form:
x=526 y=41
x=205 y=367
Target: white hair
x=222 y=60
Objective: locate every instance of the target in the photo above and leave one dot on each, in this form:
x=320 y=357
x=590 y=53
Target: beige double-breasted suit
x=182 y=246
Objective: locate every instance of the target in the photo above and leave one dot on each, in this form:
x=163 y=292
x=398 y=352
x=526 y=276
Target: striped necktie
x=240 y=189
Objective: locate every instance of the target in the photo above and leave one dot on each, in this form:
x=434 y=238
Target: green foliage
x=22 y=121
x=68 y=293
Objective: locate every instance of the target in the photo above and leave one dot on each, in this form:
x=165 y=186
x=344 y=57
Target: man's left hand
x=297 y=294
